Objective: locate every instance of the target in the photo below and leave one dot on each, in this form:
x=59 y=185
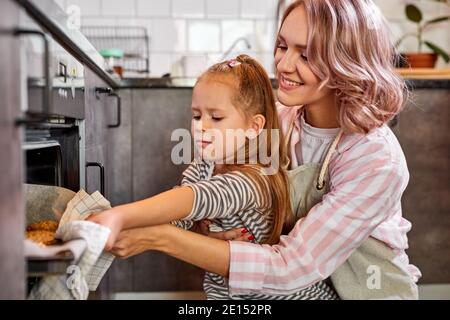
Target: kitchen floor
x=426 y=292
x=175 y=295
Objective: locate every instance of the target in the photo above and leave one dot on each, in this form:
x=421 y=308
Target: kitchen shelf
x=424 y=73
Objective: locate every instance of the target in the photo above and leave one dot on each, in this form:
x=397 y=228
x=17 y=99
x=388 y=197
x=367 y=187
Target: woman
x=338 y=89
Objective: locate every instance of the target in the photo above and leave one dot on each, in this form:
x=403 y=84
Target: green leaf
x=439 y=51
x=436 y=20
x=413 y=13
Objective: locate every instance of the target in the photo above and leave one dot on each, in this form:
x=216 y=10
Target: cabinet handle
x=47 y=98
x=119 y=110
x=100 y=90
x=102 y=174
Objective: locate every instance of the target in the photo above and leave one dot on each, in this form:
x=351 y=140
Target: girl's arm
x=221 y=196
x=167 y=206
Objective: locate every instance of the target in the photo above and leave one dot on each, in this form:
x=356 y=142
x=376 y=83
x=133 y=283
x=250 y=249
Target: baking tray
x=45 y=266
x=48 y=203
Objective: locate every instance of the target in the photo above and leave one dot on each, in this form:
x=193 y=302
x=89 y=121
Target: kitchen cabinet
x=120 y=150
x=102 y=128
x=423 y=133
x=156 y=114
x=96 y=134
x=12 y=215
x=143 y=159
x=102 y=109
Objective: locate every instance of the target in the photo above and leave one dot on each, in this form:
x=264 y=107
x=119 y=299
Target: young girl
x=233 y=96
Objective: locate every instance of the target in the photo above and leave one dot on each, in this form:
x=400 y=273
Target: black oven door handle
x=47 y=96
x=102 y=174
x=119 y=110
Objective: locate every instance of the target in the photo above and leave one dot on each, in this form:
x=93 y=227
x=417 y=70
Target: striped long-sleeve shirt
x=367 y=175
x=233 y=200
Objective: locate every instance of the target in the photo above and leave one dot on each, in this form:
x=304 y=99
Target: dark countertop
x=180 y=83
x=428 y=83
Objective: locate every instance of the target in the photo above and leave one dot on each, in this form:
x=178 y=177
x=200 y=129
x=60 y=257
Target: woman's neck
x=323 y=113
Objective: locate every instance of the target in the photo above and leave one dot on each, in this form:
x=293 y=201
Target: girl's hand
x=110 y=219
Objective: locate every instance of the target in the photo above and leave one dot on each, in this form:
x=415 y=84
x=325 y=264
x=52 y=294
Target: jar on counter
x=114 y=60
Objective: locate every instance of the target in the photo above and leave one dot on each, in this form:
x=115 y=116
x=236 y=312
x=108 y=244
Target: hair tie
x=233 y=63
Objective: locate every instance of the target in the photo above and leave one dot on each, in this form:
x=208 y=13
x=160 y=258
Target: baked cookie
x=42 y=237
x=44 y=225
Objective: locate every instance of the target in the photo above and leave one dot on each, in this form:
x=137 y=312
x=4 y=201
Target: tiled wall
x=200 y=31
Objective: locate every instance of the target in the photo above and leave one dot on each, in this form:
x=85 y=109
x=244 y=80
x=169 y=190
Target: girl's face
x=297 y=83
x=214 y=119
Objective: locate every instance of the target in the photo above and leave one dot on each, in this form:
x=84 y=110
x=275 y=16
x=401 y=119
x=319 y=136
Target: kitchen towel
x=86 y=273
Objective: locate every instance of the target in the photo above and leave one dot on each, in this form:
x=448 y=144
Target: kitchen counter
x=428 y=83
x=164 y=82
x=184 y=83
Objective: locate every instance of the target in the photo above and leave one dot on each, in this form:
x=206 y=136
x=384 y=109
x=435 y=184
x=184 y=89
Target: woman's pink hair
x=349 y=51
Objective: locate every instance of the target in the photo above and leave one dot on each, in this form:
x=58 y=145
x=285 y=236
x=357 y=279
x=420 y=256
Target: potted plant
x=422 y=59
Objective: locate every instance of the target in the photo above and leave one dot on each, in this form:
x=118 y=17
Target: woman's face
x=297 y=83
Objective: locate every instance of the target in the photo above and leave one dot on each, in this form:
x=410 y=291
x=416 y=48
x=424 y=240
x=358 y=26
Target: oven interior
x=52 y=153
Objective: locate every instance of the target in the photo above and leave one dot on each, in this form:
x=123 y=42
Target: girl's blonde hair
x=252 y=94
x=349 y=50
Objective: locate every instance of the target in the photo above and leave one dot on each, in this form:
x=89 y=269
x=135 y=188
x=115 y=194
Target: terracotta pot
x=421 y=60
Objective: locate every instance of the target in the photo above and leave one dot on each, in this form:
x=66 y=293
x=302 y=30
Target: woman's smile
x=287 y=84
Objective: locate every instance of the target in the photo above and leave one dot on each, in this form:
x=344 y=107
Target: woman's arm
x=138 y=240
x=205 y=252
x=367 y=183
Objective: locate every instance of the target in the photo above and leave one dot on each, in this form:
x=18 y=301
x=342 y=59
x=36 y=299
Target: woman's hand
x=178 y=243
x=135 y=241
x=238 y=234
x=111 y=219
x=132 y=242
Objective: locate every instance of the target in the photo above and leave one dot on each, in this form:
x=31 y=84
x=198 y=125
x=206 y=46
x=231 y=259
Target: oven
x=48 y=135
x=53 y=124
x=53 y=110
